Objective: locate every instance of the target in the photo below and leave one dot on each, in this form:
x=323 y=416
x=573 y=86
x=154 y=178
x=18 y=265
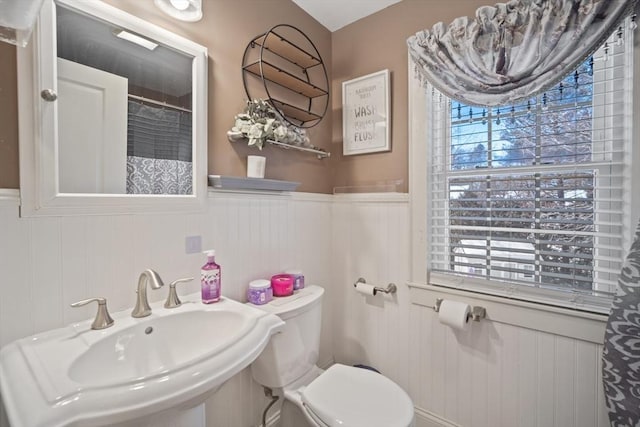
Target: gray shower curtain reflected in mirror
x=159 y=150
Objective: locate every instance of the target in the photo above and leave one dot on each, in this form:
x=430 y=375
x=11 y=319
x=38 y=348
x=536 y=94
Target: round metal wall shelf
x=284 y=67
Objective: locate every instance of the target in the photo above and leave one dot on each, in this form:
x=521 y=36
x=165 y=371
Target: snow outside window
x=529 y=198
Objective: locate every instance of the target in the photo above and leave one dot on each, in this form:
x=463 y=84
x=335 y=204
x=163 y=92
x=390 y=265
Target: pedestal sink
x=136 y=368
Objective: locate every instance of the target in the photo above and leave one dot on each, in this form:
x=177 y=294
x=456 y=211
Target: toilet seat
x=344 y=396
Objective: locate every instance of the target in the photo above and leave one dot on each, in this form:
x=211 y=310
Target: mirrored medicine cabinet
x=112 y=114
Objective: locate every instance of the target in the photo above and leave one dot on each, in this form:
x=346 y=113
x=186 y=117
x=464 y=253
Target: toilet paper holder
x=476 y=313
x=390 y=289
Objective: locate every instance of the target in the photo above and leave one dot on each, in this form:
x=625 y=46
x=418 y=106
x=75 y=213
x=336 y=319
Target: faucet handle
x=102 y=320
x=172 y=299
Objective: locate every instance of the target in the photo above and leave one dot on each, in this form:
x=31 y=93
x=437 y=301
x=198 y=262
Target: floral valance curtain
x=514 y=50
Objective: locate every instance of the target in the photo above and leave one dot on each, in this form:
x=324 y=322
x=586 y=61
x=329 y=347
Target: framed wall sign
x=366 y=124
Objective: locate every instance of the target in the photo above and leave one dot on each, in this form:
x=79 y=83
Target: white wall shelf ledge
x=256 y=184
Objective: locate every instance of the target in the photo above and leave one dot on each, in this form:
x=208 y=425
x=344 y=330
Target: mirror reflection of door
x=92 y=136
x=124 y=111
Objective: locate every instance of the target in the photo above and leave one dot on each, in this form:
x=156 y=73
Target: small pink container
x=282 y=285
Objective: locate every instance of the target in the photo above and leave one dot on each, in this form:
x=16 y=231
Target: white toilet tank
x=293 y=352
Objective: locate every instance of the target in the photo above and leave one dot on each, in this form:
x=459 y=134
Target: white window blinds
x=529 y=199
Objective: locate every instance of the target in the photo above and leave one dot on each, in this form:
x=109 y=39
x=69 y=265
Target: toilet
x=342 y=395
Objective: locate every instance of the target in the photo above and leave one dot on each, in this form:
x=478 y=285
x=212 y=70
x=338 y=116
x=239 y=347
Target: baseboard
x=429 y=419
x=423 y=419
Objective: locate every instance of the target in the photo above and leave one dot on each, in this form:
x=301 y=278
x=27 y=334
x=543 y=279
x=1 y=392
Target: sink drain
x=148 y=330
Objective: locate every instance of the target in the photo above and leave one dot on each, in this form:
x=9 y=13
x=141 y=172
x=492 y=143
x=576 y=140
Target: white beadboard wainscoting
x=48 y=263
x=499 y=373
x=371 y=240
x=513 y=369
x=519 y=367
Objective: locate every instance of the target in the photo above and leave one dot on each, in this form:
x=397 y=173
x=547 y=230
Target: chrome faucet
x=142 y=308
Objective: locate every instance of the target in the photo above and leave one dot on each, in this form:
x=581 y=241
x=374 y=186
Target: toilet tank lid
x=301 y=301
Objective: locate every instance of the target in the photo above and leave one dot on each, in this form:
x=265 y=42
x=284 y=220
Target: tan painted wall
x=373 y=44
x=8 y=118
x=226 y=28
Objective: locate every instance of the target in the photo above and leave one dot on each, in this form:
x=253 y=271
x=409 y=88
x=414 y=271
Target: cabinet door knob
x=49 y=95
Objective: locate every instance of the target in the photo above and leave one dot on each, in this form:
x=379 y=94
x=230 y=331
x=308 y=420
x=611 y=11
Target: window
x=531 y=199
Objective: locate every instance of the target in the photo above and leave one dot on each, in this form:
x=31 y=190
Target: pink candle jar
x=282 y=285
x=259 y=292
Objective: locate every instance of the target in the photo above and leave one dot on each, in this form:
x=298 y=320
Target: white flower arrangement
x=260 y=122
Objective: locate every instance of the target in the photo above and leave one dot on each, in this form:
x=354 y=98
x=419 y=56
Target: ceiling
x=335 y=14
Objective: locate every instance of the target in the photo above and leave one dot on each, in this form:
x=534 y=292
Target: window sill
x=566 y=322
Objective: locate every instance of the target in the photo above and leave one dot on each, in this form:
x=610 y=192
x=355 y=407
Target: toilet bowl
x=342 y=395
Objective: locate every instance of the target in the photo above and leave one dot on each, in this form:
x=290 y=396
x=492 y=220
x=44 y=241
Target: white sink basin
x=135 y=368
x=136 y=352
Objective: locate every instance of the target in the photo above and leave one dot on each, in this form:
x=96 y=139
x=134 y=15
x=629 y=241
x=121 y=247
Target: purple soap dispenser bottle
x=210 y=279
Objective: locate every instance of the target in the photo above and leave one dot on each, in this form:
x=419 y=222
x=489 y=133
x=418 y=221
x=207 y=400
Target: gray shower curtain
x=621 y=355
x=159 y=152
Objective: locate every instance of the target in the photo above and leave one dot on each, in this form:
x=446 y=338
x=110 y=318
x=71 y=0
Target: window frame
x=419 y=132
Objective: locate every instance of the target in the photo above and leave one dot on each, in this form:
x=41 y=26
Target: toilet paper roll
x=365 y=288
x=454 y=314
